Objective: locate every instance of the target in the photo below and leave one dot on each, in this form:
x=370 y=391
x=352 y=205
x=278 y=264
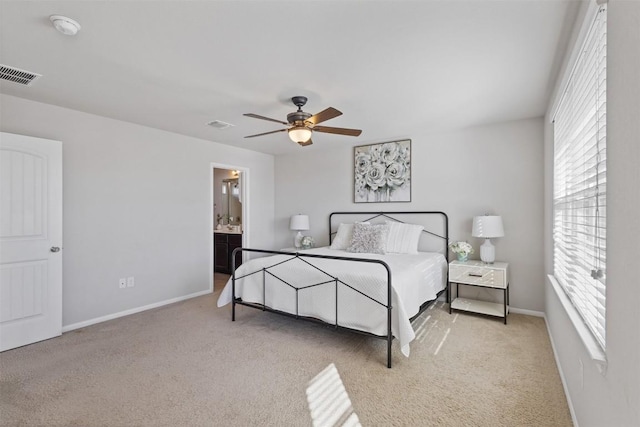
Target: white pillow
x=343 y=237
x=369 y=238
x=403 y=238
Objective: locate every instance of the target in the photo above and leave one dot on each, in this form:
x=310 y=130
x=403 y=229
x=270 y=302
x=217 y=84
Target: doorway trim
x=246 y=220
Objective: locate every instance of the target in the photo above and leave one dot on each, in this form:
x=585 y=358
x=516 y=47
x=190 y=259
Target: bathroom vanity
x=224 y=242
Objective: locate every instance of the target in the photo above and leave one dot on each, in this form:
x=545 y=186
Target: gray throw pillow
x=369 y=238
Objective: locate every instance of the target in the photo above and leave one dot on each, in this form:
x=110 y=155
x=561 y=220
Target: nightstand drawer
x=474 y=273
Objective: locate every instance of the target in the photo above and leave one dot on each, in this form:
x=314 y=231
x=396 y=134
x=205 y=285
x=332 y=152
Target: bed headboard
x=435 y=236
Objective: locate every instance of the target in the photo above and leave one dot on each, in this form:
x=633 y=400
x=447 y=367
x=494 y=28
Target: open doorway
x=229 y=219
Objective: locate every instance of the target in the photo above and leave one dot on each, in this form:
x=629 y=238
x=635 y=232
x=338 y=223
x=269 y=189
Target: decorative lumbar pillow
x=403 y=238
x=369 y=238
x=343 y=237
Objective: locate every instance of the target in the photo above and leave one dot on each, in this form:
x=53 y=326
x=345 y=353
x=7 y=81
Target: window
x=579 y=189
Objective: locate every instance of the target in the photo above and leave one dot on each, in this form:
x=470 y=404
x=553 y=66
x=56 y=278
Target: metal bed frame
x=335 y=280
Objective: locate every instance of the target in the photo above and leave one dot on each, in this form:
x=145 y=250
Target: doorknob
x=54 y=249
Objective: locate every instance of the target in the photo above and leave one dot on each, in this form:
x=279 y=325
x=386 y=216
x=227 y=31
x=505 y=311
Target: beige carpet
x=188 y=364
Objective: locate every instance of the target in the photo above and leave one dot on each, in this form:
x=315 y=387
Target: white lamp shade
x=300 y=134
x=299 y=222
x=487 y=226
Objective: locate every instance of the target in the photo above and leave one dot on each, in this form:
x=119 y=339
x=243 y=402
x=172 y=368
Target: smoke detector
x=66 y=26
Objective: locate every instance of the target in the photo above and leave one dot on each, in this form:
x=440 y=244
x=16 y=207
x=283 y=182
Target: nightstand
x=478 y=273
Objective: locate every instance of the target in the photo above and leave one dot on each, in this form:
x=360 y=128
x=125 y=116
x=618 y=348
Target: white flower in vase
x=461 y=249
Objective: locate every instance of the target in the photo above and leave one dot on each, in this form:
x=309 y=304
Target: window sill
x=592 y=346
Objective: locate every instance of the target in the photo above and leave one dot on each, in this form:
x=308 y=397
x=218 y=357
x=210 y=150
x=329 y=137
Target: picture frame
x=382 y=172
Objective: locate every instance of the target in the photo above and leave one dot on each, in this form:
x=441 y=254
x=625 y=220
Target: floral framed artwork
x=382 y=172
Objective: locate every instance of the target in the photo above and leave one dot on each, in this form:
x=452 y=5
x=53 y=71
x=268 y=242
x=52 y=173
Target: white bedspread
x=415 y=280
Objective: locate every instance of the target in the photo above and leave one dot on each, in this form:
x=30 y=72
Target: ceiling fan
x=301 y=124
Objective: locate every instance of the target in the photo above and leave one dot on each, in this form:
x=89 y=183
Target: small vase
x=463 y=257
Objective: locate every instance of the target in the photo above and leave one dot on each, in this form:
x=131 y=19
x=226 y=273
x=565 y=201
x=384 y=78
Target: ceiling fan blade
x=339 y=131
x=266 y=133
x=304 y=144
x=256 y=116
x=324 y=115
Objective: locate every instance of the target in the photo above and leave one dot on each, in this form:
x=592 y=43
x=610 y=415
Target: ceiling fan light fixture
x=302 y=124
x=300 y=134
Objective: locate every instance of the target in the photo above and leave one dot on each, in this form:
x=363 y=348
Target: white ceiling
x=394 y=68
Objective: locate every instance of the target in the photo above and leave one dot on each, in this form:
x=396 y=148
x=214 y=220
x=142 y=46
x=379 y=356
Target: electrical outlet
x=130 y=282
x=123 y=283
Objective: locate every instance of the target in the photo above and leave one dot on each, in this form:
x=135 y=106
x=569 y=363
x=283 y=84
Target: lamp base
x=297 y=240
x=487 y=252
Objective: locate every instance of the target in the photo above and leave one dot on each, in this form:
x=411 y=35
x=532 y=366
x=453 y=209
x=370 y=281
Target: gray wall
x=137 y=202
x=490 y=169
x=612 y=397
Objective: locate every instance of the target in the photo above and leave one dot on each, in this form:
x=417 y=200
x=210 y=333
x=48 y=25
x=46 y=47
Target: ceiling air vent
x=17 y=75
x=218 y=124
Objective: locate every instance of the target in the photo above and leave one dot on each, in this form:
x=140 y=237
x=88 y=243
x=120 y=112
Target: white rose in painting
x=375 y=152
x=396 y=174
x=363 y=162
x=389 y=152
x=375 y=177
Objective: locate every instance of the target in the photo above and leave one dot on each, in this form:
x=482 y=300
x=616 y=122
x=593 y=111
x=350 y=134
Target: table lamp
x=488 y=227
x=298 y=223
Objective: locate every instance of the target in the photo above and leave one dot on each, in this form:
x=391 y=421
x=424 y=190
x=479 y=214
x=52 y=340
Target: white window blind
x=580 y=167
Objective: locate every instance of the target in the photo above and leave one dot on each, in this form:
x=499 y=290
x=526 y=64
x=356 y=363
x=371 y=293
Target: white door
x=30 y=240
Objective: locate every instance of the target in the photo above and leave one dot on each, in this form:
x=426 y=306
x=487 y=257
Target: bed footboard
x=331 y=280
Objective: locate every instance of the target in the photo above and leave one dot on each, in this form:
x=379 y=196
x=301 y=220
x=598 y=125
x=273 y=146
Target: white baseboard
x=562 y=378
x=90 y=322
x=527 y=312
